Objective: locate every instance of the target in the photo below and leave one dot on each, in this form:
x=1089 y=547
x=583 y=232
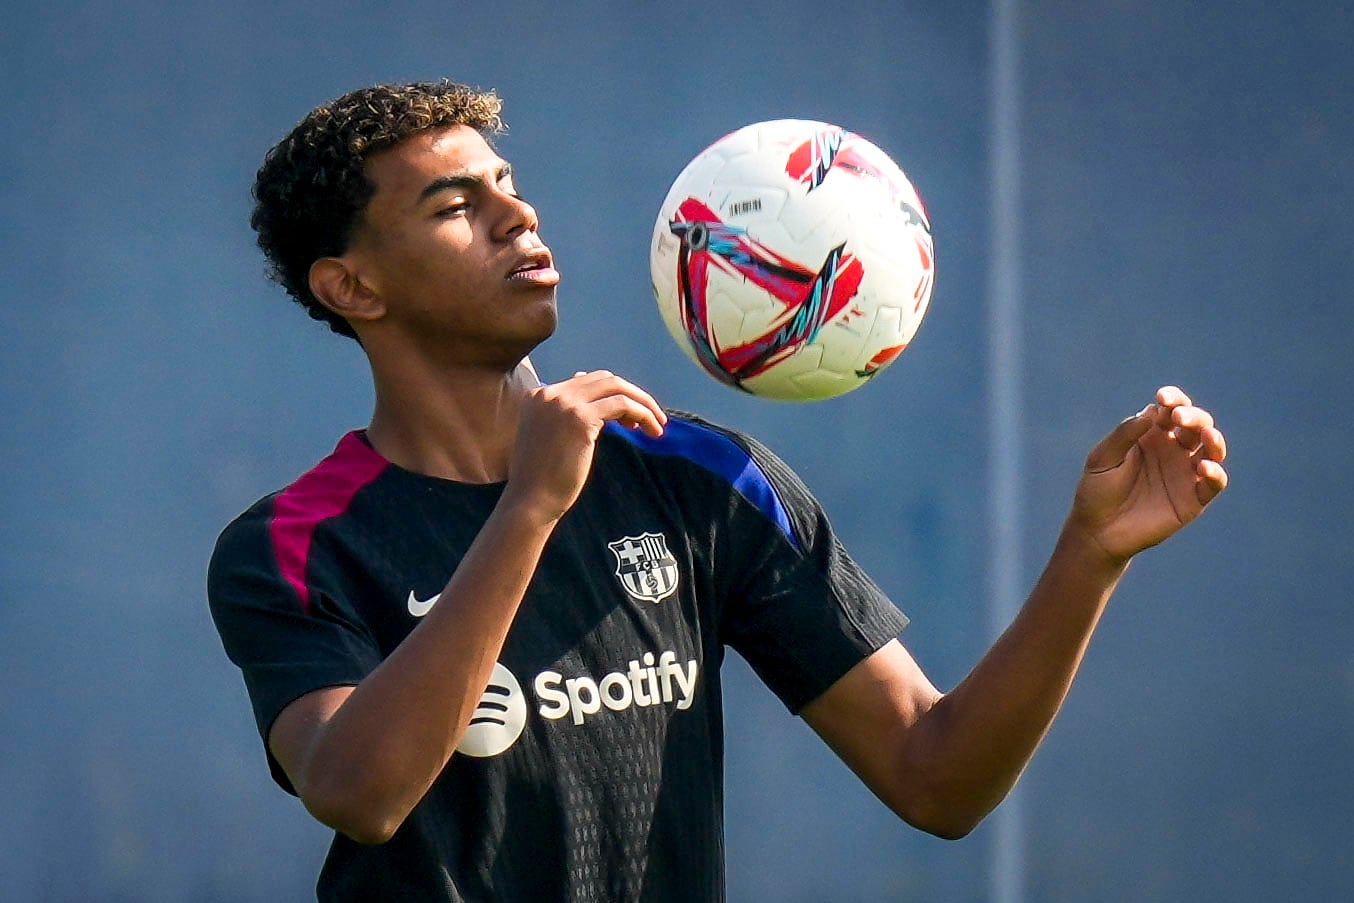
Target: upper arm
x=868 y=718
x=296 y=728
x=286 y=650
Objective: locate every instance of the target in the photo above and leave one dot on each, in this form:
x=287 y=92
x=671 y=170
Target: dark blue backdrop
x=1187 y=182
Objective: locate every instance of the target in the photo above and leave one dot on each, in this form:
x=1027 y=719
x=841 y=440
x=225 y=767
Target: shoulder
x=276 y=532
x=725 y=457
x=717 y=449
x=320 y=492
x=247 y=530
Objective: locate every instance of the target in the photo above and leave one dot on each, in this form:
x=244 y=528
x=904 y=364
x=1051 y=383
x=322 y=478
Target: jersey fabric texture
x=593 y=769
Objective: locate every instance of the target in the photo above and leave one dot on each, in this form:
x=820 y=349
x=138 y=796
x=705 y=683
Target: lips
x=536 y=267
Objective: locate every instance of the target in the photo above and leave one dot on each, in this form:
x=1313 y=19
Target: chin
x=548 y=321
x=536 y=331
x=551 y=326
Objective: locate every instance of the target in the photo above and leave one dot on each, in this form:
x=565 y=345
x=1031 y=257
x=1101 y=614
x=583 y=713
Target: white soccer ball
x=792 y=260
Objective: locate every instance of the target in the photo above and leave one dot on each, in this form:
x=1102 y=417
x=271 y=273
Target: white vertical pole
x=1005 y=448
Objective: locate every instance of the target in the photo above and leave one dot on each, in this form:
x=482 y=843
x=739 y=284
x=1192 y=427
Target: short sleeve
x=284 y=648
x=796 y=606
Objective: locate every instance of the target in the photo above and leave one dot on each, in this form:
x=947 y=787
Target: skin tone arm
x=362 y=757
x=943 y=761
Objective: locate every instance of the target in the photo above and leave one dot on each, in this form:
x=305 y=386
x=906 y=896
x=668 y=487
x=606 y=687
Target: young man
x=482 y=639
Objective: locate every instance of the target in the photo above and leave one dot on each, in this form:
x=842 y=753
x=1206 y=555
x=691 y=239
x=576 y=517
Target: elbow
x=369 y=832
x=948 y=834
x=948 y=822
x=940 y=807
x=351 y=814
x=951 y=829
x=932 y=796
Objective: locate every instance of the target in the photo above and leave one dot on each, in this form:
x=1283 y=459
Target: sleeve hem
x=274 y=766
x=886 y=627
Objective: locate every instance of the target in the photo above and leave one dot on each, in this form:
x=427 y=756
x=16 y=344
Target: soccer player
x=482 y=638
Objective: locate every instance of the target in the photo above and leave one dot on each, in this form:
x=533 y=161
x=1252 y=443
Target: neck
x=452 y=421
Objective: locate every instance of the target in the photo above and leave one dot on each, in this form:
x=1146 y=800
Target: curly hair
x=311 y=190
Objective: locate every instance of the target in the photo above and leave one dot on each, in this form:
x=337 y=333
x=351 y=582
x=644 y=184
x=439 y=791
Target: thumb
x=1114 y=448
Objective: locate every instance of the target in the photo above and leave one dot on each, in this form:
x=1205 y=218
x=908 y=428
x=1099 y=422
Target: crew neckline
x=361 y=436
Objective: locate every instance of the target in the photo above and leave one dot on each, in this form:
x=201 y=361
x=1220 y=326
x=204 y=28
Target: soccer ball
x=792 y=260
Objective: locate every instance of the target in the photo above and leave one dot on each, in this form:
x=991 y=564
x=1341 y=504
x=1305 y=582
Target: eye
x=455 y=208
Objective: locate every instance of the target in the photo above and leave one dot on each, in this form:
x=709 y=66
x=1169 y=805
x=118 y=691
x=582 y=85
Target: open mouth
x=536 y=268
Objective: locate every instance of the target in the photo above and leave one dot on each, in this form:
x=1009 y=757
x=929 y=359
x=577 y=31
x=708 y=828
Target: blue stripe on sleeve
x=718 y=454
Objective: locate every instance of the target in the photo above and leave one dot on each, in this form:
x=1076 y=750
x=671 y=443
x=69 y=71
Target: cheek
x=423 y=265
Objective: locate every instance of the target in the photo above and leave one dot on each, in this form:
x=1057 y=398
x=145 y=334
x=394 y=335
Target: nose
x=518 y=217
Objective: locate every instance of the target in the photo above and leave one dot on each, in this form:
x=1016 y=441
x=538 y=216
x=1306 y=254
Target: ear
x=338 y=287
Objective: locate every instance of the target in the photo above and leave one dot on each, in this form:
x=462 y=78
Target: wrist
x=1080 y=546
x=526 y=511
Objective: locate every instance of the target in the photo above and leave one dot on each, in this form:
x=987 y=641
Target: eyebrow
x=462 y=180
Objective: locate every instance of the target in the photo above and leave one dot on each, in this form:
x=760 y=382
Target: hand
x=1150 y=476
x=558 y=431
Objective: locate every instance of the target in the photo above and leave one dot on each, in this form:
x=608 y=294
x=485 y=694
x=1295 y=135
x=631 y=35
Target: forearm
x=972 y=745
x=943 y=761
x=378 y=754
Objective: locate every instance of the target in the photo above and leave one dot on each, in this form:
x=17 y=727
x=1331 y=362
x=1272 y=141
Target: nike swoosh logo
x=419 y=609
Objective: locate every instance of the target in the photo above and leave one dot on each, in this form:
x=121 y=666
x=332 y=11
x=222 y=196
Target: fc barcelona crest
x=645 y=566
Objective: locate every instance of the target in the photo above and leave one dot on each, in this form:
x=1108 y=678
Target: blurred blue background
x=1187 y=188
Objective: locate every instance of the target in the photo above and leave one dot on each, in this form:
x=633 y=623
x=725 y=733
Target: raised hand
x=1154 y=473
x=558 y=432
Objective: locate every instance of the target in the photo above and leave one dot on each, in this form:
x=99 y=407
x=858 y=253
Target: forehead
x=400 y=173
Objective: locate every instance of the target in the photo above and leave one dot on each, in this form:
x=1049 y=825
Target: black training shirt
x=592 y=770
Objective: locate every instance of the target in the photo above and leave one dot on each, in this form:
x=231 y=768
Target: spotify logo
x=498 y=720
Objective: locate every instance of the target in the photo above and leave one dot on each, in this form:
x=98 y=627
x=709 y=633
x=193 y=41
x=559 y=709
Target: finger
x=1212 y=480
x=615 y=384
x=588 y=377
x=1212 y=445
x=1190 y=417
x=1187 y=426
x=1168 y=399
x=627 y=411
x=597 y=384
x=1112 y=450
x=604 y=382
x=1172 y=396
